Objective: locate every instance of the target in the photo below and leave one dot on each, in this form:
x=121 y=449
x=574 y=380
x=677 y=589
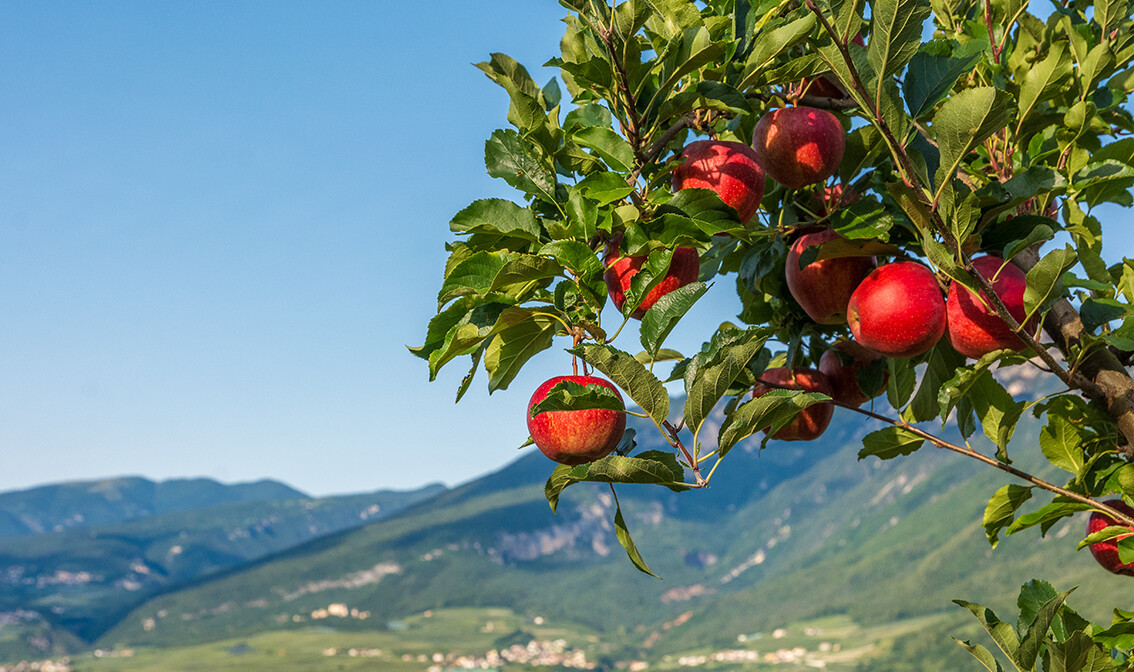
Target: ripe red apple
x=898 y=310
x=974 y=327
x=1106 y=552
x=683 y=269
x=811 y=421
x=729 y=168
x=824 y=287
x=799 y=145
x=575 y=437
x=841 y=365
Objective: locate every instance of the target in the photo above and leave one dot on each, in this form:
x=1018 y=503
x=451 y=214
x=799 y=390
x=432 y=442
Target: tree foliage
x=971 y=127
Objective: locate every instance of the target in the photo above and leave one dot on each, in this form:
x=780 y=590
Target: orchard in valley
x=902 y=194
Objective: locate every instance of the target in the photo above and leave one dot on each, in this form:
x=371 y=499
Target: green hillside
x=62 y=589
x=787 y=535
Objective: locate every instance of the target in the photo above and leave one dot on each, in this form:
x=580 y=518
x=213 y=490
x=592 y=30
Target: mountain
x=51 y=508
x=785 y=534
x=60 y=590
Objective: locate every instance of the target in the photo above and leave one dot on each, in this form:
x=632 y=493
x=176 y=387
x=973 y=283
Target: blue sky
x=221 y=223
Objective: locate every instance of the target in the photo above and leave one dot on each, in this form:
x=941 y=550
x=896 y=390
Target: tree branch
x=1018 y=473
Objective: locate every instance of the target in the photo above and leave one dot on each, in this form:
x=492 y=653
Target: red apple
x=1106 y=552
x=811 y=421
x=898 y=310
x=575 y=437
x=974 y=327
x=841 y=365
x=683 y=269
x=729 y=168
x=799 y=145
x=824 y=287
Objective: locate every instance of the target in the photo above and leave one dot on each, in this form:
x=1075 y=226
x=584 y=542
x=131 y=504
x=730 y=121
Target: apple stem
x=690 y=462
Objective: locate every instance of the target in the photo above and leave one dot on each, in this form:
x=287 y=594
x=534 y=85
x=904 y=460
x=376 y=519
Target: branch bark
x=1100 y=375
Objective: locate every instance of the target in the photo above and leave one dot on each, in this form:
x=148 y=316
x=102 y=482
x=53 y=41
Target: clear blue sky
x=220 y=224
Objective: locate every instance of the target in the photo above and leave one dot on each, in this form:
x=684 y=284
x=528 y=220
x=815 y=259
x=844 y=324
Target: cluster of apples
x=795 y=146
x=894 y=310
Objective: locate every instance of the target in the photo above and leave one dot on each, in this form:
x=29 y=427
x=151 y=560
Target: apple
x=1106 y=552
x=841 y=365
x=824 y=287
x=575 y=437
x=683 y=269
x=799 y=145
x=898 y=310
x=731 y=169
x=812 y=421
x=974 y=327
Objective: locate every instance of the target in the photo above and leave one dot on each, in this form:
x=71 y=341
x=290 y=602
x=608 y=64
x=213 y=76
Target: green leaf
x=623 y=535
x=574 y=255
x=1002 y=633
x=711 y=374
x=474 y=275
x=1046 y=516
x=604 y=188
x=934 y=70
x=466 y=337
x=520 y=335
x=524 y=268
x=1097 y=312
x=864 y=219
x=1040 y=234
x=568 y=395
x=901 y=383
x=705 y=95
x=1105 y=534
x=895 y=35
x=605 y=142
x=1044 y=286
x=982 y=654
x=768 y=44
x=1033 y=595
x=517 y=162
x=1062 y=442
x=770 y=411
x=652 y=272
x=628 y=374
x=966 y=120
x=1037 y=632
x=1001 y=510
x=664 y=315
x=941 y=366
x=1044 y=78
x=497 y=216
x=526 y=111
x=653 y=467
x=889 y=442
x=1117 y=636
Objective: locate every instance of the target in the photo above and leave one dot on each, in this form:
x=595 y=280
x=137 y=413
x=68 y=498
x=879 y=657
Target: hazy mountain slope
x=82 y=580
x=793 y=532
x=89 y=503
